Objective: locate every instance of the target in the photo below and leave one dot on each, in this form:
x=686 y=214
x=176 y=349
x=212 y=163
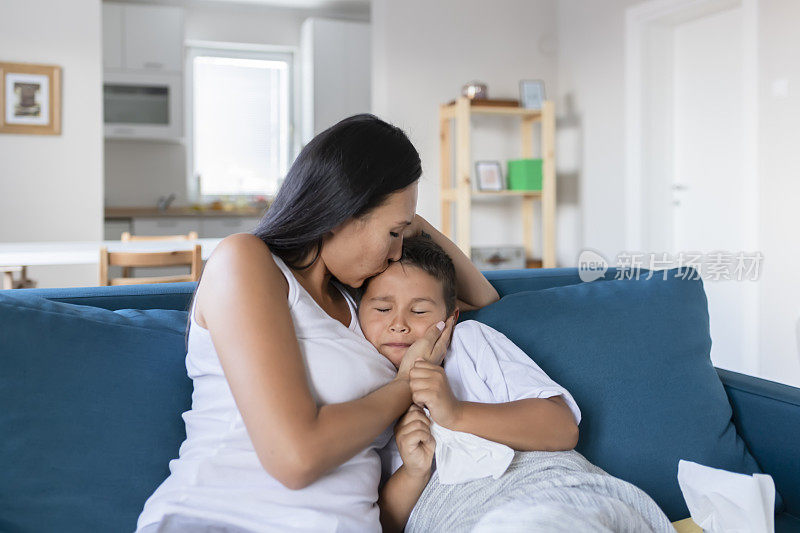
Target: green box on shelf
x=525 y=174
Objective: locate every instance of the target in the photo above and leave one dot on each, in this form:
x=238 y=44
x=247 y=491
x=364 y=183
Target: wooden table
x=88 y=252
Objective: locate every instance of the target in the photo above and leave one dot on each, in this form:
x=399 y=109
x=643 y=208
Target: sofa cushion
x=635 y=356
x=91 y=412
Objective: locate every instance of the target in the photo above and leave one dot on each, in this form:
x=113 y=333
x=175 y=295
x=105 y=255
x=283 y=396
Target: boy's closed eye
x=422 y=312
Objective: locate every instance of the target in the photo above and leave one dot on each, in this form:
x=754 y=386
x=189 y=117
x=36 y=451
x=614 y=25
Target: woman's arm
x=529 y=424
x=244 y=305
x=473 y=289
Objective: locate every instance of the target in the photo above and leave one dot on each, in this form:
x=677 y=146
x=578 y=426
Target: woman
x=290 y=400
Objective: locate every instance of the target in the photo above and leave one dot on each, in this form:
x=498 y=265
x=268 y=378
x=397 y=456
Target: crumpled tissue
x=719 y=500
x=462 y=457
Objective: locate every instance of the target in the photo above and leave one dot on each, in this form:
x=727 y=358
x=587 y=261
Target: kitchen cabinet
x=206 y=226
x=153 y=38
x=222 y=227
x=166 y=226
x=142 y=71
x=113 y=229
x=112 y=36
x=142 y=38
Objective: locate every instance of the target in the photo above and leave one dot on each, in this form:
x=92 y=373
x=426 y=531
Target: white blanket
x=542 y=492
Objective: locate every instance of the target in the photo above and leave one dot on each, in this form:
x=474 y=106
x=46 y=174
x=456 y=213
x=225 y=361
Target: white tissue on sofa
x=719 y=500
x=462 y=457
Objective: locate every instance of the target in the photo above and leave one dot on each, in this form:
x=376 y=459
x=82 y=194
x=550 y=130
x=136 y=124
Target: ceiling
x=303 y=4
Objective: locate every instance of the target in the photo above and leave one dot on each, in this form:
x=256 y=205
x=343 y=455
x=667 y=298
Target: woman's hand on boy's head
x=415 y=228
x=415 y=442
x=429 y=388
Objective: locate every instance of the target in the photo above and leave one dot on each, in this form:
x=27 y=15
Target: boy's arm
x=529 y=424
x=400 y=493
x=398 y=497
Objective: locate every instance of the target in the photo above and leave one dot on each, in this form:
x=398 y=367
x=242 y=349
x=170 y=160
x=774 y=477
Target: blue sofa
x=93 y=384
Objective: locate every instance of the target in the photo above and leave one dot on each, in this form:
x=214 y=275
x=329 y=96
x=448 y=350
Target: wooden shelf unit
x=460 y=195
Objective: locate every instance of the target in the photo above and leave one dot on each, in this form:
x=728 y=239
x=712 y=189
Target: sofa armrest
x=767 y=416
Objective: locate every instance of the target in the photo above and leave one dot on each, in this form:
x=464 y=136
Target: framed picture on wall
x=30 y=96
x=531 y=93
x=489 y=176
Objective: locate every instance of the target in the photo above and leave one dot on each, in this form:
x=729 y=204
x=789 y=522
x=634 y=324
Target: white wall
x=51 y=186
x=591 y=71
x=138 y=172
x=591 y=52
x=779 y=189
x=423 y=52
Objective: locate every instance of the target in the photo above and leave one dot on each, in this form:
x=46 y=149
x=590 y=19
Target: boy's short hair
x=423 y=253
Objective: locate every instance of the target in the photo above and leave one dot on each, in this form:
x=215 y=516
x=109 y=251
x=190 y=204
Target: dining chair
x=191 y=258
x=127 y=237
x=191 y=236
x=8 y=277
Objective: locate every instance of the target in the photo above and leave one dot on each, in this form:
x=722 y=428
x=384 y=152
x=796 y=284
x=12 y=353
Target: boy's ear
x=455 y=321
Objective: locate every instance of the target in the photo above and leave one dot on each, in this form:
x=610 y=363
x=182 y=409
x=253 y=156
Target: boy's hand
x=415 y=442
x=430 y=347
x=429 y=388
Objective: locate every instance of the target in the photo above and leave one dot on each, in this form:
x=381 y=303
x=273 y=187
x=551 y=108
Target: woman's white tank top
x=218 y=475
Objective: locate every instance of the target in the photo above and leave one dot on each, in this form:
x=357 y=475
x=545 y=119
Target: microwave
x=142 y=105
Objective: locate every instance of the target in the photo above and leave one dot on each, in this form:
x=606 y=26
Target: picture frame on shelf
x=30 y=98
x=531 y=94
x=489 y=176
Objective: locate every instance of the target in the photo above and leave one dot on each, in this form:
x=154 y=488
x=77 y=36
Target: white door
x=709 y=187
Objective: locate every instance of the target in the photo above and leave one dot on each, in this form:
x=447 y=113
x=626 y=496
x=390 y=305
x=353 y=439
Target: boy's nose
x=398 y=328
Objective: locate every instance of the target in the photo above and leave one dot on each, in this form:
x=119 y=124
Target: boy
x=487 y=387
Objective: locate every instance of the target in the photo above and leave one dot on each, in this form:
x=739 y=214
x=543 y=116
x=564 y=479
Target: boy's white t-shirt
x=483 y=365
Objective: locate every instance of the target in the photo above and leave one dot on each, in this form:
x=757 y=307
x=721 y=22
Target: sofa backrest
x=177 y=295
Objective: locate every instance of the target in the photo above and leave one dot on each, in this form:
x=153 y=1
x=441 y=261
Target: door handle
x=679 y=187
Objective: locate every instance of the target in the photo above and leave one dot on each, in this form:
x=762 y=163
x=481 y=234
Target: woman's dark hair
x=423 y=253
x=345 y=171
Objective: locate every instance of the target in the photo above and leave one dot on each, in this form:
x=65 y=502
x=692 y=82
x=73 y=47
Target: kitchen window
x=239 y=121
